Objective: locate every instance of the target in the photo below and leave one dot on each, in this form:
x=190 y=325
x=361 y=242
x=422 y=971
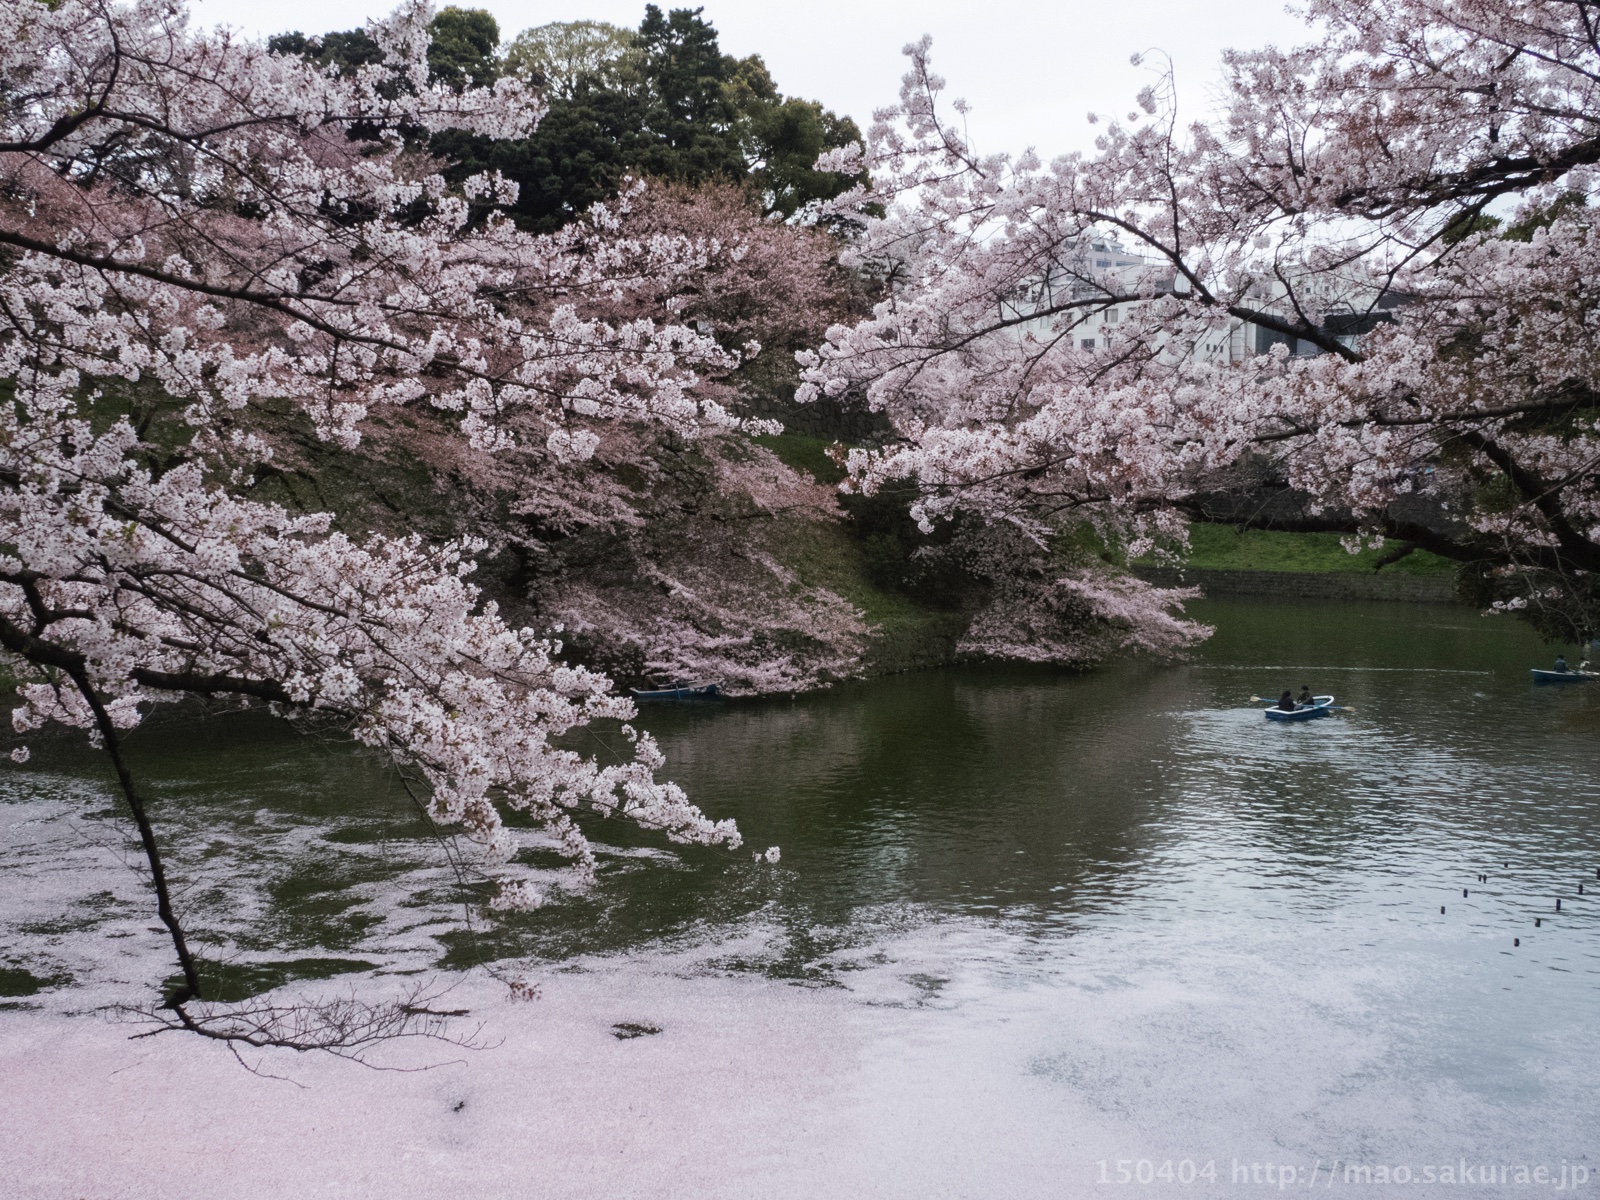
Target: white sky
x=1032 y=69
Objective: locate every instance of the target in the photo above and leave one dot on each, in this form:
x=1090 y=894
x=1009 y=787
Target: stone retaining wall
x=1416 y=589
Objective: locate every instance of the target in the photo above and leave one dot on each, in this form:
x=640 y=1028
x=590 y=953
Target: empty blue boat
x=704 y=692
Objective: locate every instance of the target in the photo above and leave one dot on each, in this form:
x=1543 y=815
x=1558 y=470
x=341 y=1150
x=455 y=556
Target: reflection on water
x=1079 y=833
x=1031 y=796
x=1046 y=799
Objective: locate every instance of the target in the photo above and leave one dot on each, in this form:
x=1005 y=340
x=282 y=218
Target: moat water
x=1085 y=925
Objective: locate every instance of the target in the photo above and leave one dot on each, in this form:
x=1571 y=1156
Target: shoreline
x=1306 y=585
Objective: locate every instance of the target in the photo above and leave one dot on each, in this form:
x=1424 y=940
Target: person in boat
x=1305 y=697
x=1286 y=701
x=1561 y=664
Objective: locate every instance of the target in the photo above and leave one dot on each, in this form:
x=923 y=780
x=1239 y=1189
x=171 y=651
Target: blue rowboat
x=704 y=692
x=1309 y=712
x=1563 y=676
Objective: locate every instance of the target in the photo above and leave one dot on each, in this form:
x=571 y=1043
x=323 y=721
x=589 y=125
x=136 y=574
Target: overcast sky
x=1031 y=69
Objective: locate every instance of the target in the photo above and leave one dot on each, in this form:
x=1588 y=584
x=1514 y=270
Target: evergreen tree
x=662 y=101
x=464 y=45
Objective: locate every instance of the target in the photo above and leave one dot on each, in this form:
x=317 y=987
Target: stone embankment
x=1310 y=585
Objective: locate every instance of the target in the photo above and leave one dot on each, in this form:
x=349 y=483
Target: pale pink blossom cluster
x=1407 y=197
x=666 y=558
x=711 y=601
x=1056 y=608
x=187 y=211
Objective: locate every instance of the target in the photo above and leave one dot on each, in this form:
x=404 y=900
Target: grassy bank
x=913 y=633
x=1222 y=548
x=808 y=454
x=1213 y=547
x=909 y=634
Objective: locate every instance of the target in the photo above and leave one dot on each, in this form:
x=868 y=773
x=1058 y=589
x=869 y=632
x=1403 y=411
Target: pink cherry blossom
x=1403 y=201
x=186 y=211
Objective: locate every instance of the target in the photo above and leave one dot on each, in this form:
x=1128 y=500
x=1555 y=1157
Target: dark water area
x=1163 y=901
x=1037 y=797
x=1049 y=799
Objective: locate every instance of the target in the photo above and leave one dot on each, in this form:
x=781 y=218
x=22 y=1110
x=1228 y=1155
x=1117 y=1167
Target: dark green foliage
x=348 y=50
x=1563 y=607
x=689 y=116
x=790 y=135
x=713 y=117
x=1081 y=542
x=808 y=454
x=670 y=105
x=781 y=137
x=464 y=41
x=574 y=160
x=17 y=981
x=1524 y=230
x=463 y=48
x=1471 y=221
x=1465 y=224
x=898 y=557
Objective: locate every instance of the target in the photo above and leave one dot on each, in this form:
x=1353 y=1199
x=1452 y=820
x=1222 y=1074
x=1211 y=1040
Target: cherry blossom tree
x=186 y=212
x=1367 y=285
x=666 y=557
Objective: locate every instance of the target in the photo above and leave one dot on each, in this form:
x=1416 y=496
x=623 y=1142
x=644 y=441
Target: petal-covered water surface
x=1064 y=925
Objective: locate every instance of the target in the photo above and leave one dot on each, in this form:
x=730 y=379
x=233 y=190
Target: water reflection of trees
x=963 y=791
x=1028 y=795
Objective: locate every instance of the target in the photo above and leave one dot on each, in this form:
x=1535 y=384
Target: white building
x=1105 y=269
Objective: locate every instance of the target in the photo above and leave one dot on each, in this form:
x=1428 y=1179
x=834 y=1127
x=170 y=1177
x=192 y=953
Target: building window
x=1102 y=262
x=1086 y=344
x=1111 y=316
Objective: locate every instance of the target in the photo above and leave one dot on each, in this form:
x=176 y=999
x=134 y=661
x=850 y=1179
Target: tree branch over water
x=1308 y=285
x=241 y=229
